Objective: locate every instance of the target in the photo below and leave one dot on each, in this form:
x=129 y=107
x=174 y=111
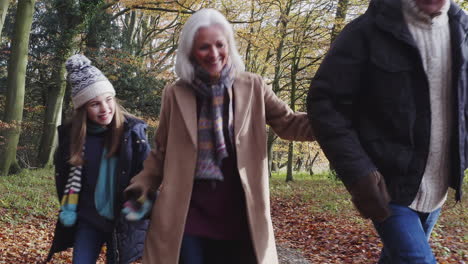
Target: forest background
x=134 y=43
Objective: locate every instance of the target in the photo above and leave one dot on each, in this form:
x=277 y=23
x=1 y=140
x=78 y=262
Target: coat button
x=124 y=172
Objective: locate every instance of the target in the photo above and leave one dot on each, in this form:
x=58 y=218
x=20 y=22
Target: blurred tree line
x=134 y=43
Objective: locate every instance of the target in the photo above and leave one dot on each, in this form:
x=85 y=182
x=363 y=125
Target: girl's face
x=101 y=109
x=210 y=49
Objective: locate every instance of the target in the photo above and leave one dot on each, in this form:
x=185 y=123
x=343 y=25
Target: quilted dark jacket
x=369 y=101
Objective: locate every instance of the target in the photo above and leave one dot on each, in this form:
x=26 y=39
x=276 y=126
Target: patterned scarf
x=70 y=197
x=211 y=141
x=104 y=194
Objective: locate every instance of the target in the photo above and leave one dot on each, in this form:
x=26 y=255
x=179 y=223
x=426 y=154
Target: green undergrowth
x=27 y=195
x=32 y=194
x=322 y=192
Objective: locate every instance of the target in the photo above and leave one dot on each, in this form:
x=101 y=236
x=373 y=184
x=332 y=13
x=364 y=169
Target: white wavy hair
x=204 y=18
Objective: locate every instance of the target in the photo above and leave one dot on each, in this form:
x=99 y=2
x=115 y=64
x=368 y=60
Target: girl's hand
x=135 y=210
x=139 y=201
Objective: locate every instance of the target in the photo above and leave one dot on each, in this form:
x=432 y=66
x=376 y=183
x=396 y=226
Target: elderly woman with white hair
x=209 y=160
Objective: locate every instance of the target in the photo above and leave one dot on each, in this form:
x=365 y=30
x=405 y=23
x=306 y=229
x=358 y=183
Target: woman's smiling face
x=210 y=49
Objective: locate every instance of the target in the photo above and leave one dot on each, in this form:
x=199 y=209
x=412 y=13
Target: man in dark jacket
x=388 y=106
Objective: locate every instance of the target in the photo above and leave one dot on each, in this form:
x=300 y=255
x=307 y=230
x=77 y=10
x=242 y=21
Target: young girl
x=99 y=151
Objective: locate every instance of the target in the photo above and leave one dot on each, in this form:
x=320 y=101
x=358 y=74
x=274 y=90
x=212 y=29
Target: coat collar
x=389 y=17
x=186 y=102
x=457 y=14
x=458 y=29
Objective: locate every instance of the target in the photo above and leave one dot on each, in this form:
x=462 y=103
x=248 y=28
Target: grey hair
x=204 y=18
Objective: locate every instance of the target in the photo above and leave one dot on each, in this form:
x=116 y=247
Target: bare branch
x=163 y=9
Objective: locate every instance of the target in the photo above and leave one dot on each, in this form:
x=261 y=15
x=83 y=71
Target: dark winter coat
x=369 y=101
x=128 y=237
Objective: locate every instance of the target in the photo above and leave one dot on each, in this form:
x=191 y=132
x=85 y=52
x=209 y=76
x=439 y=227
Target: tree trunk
x=270 y=142
x=292 y=104
x=129 y=32
x=53 y=113
x=92 y=37
x=340 y=17
x=311 y=170
x=248 y=60
x=282 y=24
x=98 y=21
x=298 y=165
x=15 y=84
x=56 y=90
x=289 y=175
x=274 y=162
x=3 y=12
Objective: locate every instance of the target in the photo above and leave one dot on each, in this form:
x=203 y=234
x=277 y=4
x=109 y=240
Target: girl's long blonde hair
x=78 y=133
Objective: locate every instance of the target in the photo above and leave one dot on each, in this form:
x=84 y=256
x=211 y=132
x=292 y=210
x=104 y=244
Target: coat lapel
x=186 y=101
x=458 y=34
x=243 y=92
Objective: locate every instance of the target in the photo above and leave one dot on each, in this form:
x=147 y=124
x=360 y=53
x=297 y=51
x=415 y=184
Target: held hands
x=135 y=210
x=140 y=199
x=370 y=196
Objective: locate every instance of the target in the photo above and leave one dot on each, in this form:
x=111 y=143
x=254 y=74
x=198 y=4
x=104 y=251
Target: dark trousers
x=199 y=250
x=88 y=244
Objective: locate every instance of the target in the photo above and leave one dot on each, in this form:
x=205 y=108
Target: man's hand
x=370 y=196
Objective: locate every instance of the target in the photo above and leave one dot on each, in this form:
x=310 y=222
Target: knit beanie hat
x=86 y=80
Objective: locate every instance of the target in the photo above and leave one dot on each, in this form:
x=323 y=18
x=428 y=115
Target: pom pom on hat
x=77 y=62
x=86 y=81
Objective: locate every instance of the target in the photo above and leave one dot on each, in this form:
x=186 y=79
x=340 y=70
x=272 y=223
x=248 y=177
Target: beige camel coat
x=171 y=164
